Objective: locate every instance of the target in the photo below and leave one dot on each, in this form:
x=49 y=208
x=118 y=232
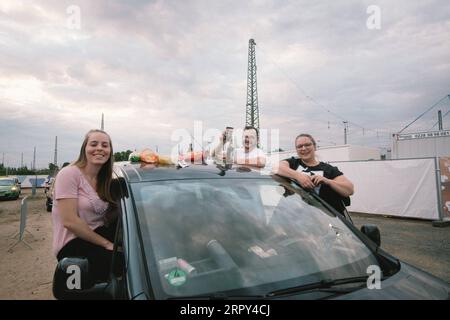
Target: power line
x=434 y=105
x=438 y=120
x=312 y=99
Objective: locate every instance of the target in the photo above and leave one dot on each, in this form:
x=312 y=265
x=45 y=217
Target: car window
x=215 y=235
x=6 y=182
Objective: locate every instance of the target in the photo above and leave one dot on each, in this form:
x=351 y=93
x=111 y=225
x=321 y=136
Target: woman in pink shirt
x=81 y=201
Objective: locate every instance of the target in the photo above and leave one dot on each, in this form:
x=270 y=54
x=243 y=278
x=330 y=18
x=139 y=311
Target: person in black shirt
x=325 y=179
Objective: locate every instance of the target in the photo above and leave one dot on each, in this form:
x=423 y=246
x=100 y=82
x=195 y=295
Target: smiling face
x=98 y=148
x=306 y=148
x=250 y=139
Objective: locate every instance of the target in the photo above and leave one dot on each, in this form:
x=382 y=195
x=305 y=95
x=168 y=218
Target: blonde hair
x=104 y=176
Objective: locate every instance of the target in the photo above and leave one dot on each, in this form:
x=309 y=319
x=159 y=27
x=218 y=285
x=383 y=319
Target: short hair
x=306 y=135
x=252 y=128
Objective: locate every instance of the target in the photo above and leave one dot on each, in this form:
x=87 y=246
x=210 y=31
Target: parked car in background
x=49 y=194
x=213 y=232
x=10 y=188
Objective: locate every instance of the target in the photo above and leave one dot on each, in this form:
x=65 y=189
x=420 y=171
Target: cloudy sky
x=155 y=67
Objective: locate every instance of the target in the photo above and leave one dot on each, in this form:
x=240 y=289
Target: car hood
x=5 y=188
x=409 y=283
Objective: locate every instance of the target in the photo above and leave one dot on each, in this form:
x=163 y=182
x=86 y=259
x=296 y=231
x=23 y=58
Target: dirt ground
x=27 y=273
x=414 y=241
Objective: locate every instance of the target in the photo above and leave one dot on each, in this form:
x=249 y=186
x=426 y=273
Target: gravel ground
x=414 y=241
x=26 y=273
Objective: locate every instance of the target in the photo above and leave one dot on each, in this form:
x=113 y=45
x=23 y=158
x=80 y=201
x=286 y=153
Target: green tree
x=122 y=155
x=52 y=168
x=23 y=171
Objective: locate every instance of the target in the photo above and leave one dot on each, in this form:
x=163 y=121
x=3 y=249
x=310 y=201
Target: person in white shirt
x=223 y=151
x=250 y=154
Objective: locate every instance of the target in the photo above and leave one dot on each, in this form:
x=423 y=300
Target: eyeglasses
x=306 y=145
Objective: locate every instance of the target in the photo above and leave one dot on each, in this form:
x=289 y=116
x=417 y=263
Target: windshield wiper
x=217 y=296
x=326 y=285
x=323 y=285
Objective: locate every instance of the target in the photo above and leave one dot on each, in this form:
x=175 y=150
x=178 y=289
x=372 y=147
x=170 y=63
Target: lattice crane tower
x=252 y=110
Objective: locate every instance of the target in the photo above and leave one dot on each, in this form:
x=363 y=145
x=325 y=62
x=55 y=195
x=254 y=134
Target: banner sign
x=423 y=135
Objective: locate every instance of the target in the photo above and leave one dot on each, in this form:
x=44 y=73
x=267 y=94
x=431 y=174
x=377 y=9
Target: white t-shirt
x=254 y=154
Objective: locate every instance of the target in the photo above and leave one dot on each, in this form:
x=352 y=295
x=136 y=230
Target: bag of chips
x=149 y=156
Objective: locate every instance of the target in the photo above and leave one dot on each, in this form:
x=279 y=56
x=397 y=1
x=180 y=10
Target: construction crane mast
x=252 y=110
x=55 y=159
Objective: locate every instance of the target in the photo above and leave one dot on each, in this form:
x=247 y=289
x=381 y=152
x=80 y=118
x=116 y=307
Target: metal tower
x=252 y=111
x=55 y=160
x=102 y=126
x=34 y=159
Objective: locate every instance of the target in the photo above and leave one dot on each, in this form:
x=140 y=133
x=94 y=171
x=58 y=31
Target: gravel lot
x=414 y=241
x=26 y=273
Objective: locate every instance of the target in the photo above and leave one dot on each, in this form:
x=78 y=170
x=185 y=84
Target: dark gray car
x=210 y=232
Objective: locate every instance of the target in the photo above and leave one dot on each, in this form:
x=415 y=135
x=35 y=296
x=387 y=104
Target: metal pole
x=34 y=159
x=345 y=132
x=438 y=188
x=55 y=160
x=33 y=190
x=440 y=120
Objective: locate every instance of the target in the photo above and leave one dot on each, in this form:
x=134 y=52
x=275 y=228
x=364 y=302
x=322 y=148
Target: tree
x=122 y=156
x=52 y=168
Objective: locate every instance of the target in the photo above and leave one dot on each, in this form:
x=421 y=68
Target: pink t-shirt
x=71 y=184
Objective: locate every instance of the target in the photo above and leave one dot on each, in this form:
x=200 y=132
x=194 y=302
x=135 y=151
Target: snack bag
x=165 y=160
x=149 y=156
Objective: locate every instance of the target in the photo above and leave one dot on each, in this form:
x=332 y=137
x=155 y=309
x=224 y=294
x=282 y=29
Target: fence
x=403 y=187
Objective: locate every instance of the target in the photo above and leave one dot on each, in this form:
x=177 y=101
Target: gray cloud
x=156 y=66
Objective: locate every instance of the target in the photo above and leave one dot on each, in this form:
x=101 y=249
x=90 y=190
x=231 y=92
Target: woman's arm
x=71 y=221
x=284 y=170
x=340 y=184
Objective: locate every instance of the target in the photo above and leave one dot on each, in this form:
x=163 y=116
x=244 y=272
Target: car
x=10 y=188
x=49 y=194
x=227 y=232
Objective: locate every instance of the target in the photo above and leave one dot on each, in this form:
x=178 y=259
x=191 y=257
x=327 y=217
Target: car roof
x=137 y=172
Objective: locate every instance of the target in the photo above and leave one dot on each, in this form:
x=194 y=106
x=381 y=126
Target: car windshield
x=6 y=182
x=241 y=235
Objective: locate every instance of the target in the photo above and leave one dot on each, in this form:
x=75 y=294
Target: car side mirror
x=372 y=232
x=73 y=280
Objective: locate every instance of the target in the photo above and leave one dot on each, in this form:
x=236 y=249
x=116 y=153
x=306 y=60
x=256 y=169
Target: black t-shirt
x=326 y=170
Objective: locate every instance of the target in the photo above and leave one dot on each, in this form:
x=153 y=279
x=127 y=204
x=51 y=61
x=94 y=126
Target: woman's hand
x=318 y=180
x=304 y=180
x=109 y=246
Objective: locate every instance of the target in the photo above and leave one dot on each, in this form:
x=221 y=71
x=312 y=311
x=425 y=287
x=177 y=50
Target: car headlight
x=14 y=189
